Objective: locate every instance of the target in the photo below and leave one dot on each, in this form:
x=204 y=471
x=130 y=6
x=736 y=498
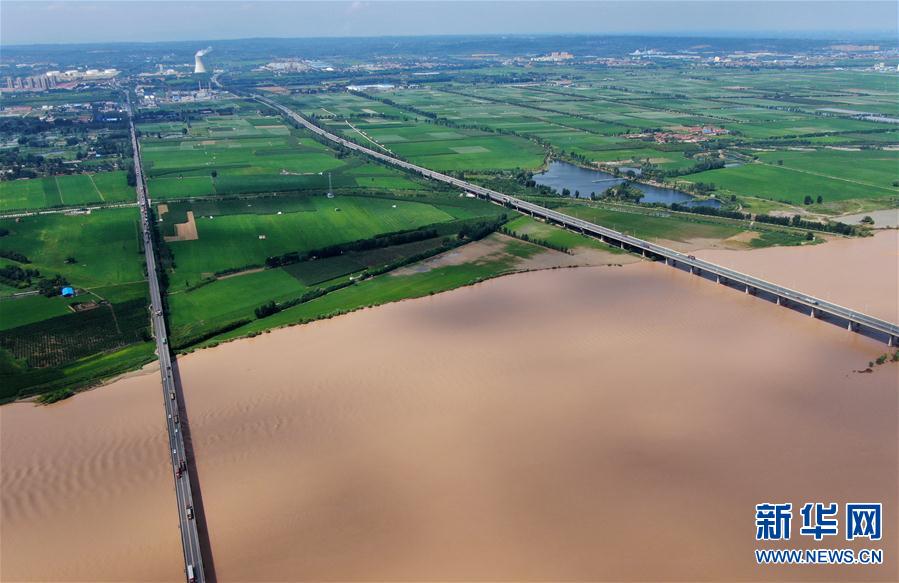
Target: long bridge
x=171 y=391
x=815 y=307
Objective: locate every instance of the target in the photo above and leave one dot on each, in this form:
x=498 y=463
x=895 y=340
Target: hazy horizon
x=26 y=22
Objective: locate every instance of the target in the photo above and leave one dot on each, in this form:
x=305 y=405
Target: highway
x=190 y=540
x=816 y=307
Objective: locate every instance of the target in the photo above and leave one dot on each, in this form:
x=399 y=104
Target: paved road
x=816 y=306
x=193 y=561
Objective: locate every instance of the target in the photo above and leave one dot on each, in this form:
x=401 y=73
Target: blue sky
x=27 y=21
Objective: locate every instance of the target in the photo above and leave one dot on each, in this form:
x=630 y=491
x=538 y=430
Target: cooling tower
x=199 y=65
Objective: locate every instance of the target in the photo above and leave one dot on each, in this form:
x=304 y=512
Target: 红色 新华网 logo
x=858 y=521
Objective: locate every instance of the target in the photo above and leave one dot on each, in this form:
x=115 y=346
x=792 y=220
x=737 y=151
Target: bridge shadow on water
x=194 y=476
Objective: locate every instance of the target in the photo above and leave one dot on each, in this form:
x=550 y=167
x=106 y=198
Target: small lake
x=564 y=175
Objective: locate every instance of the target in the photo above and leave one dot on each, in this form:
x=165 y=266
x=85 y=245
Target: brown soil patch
x=488 y=248
x=744 y=238
x=239 y=273
x=494 y=246
x=186 y=231
x=276 y=89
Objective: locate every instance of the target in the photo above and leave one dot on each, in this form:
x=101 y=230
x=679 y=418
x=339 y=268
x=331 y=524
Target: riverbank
x=466 y=435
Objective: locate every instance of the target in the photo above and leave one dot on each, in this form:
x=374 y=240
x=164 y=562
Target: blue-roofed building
x=68 y=292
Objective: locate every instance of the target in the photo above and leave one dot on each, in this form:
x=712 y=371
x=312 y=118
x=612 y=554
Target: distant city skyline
x=73 y=21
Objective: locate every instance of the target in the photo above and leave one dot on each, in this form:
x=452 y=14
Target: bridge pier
x=778 y=301
x=852 y=327
x=893 y=341
x=814 y=313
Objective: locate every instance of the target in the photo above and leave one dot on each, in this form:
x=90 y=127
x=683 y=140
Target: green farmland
x=45 y=343
x=441 y=148
x=65 y=191
x=612 y=121
x=238 y=238
x=259 y=224
x=229 y=155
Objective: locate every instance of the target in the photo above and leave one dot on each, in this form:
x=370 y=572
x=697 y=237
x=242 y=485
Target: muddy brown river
x=578 y=424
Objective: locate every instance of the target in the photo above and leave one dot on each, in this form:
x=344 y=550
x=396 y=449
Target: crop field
x=103 y=247
x=224 y=301
x=537 y=230
x=60 y=340
x=249 y=240
x=610 y=119
x=393 y=287
x=791 y=183
x=69 y=190
x=230 y=155
x=43 y=338
x=218 y=278
x=245 y=239
x=212 y=306
x=660 y=226
x=391 y=130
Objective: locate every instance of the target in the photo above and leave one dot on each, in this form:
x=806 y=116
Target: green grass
x=44 y=345
x=60 y=340
x=226 y=300
x=778 y=238
x=105 y=245
x=15 y=381
x=232 y=241
x=661 y=225
x=556 y=236
x=30 y=309
x=874 y=168
x=70 y=190
x=390 y=288
x=785 y=184
x=310 y=273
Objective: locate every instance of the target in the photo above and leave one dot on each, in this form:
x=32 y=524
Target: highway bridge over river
x=815 y=307
x=171 y=391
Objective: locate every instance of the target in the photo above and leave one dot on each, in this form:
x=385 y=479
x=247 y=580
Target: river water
x=580 y=424
x=561 y=175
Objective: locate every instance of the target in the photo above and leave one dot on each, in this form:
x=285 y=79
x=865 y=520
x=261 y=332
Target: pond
x=576 y=179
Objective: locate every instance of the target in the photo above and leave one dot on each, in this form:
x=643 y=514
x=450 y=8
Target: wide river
x=578 y=424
